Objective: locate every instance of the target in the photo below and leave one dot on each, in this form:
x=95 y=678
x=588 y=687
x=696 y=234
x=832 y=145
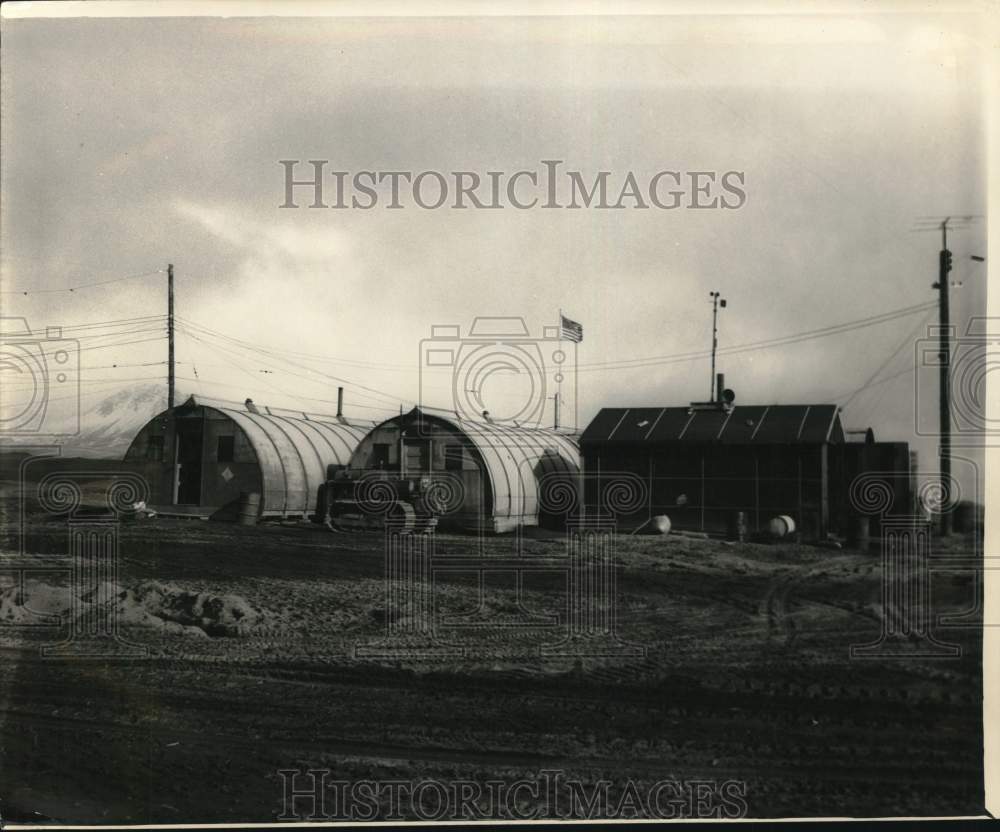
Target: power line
x=795 y=338
x=33 y=382
x=303 y=398
x=243 y=369
x=247 y=346
x=223 y=351
x=80 y=286
x=878 y=383
x=299 y=354
x=98 y=383
x=123 y=366
x=906 y=340
x=119 y=322
x=138 y=331
x=46 y=353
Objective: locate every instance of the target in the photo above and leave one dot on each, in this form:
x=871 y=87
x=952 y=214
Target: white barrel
x=781 y=526
x=661 y=523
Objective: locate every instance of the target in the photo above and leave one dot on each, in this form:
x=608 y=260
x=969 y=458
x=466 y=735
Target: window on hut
x=225 y=450
x=380 y=455
x=154 y=449
x=453 y=458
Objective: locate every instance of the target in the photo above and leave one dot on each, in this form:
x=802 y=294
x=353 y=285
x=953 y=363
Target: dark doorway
x=189 y=454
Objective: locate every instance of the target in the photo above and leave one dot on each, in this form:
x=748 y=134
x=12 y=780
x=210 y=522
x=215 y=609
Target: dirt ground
x=733 y=663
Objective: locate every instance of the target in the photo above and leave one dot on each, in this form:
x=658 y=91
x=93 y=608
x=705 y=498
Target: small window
x=453 y=458
x=154 y=450
x=225 y=449
x=380 y=455
x=418 y=455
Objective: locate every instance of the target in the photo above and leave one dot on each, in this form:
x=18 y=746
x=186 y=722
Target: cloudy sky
x=131 y=143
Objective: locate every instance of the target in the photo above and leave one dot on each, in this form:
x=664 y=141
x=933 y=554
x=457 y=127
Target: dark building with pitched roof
x=700 y=465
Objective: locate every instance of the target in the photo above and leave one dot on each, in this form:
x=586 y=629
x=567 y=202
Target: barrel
x=860 y=537
x=781 y=526
x=737 y=526
x=661 y=524
x=249 y=510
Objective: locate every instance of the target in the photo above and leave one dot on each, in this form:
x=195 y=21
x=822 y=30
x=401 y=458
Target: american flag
x=570 y=330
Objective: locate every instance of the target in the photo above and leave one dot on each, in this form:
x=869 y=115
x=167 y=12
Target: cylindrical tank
x=860 y=534
x=737 y=526
x=661 y=524
x=249 y=510
x=781 y=526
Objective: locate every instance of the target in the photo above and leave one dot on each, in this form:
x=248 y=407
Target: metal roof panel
x=743 y=423
x=637 y=424
x=603 y=425
x=671 y=424
x=759 y=424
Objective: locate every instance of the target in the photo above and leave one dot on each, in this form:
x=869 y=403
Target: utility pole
x=944 y=224
x=170 y=335
x=944 y=266
x=717 y=302
x=555 y=403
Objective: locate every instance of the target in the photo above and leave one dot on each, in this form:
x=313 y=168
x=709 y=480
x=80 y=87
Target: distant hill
x=108 y=425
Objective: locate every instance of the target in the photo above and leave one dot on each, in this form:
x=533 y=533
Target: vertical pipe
x=715 y=339
x=824 y=490
x=702 y=499
x=800 y=519
x=756 y=492
x=340 y=402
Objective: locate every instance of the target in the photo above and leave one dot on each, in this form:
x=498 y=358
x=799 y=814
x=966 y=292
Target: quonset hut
x=198 y=459
x=502 y=468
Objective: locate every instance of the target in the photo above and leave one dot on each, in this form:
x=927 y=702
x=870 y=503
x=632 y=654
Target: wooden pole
x=170 y=335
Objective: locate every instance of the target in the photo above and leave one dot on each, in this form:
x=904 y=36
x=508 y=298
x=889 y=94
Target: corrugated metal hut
x=502 y=467
x=199 y=458
x=702 y=464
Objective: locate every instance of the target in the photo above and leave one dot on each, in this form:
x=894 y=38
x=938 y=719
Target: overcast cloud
x=129 y=144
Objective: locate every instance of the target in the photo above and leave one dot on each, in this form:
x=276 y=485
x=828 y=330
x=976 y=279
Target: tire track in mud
x=681 y=695
x=779 y=616
x=788 y=721
x=293 y=744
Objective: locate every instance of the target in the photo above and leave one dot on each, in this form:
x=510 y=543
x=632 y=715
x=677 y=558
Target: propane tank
x=781 y=526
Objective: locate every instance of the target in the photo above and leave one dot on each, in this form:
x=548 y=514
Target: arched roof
x=516 y=458
x=293 y=454
x=292 y=451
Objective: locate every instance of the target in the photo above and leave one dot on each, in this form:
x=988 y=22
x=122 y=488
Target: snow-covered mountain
x=107 y=425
